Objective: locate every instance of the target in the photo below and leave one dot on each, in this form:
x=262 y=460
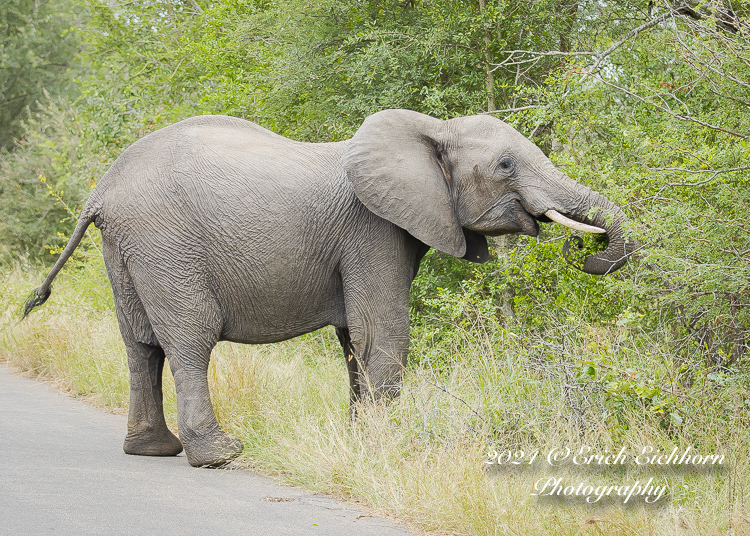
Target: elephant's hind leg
x=188 y=332
x=206 y=444
x=148 y=434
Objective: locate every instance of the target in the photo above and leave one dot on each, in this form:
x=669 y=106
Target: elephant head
x=451 y=183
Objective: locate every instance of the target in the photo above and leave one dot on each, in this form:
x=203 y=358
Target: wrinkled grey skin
x=217 y=229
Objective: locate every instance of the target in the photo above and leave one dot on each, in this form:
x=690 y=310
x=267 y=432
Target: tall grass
x=422 y=459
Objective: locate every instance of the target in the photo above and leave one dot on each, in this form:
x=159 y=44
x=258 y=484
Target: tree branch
x=632 y=33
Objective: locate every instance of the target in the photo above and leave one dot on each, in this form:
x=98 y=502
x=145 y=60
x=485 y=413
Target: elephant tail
x=41 y=294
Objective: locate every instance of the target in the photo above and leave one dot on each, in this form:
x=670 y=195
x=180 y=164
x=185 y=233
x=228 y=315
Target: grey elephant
x=217 y=229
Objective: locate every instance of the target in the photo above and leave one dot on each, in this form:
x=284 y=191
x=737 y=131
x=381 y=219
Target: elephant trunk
x=594 y=209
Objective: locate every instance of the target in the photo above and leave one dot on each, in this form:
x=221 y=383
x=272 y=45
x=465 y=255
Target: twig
x=512 y=110
x=714 y=171
x=465 y=403
x=665 y=109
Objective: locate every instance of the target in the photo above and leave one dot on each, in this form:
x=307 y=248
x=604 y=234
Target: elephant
x=215 y=228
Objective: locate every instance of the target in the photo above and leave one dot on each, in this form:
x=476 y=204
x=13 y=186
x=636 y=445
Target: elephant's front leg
x=205 y=443
x=377 y=344
x=383 y=346
x=376 y=279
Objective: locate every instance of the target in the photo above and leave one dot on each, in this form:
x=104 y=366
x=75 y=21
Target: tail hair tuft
x=36 y=299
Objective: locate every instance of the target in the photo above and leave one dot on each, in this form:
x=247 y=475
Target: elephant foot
x=159 y=442
x=215 y=450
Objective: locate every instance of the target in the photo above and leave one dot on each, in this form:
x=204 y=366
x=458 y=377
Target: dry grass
x=422 y=459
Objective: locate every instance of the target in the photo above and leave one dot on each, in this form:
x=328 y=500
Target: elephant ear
x=397 y=164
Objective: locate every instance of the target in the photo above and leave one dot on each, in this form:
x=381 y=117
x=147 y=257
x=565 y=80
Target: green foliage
x=50 y=162
x=660 y=127
x=322 y=67
x=38 y=45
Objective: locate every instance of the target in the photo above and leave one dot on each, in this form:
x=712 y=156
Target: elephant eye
x=506 y=165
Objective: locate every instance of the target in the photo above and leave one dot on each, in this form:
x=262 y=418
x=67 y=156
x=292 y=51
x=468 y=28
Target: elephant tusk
x=567 y=222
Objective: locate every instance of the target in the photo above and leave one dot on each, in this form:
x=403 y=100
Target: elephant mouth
x=509 y=215
x=506 y=216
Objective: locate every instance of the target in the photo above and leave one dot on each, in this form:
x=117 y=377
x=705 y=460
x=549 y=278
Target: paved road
x=63 y=471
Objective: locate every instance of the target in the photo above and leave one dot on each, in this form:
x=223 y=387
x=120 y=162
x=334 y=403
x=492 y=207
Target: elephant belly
x=261 y=310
